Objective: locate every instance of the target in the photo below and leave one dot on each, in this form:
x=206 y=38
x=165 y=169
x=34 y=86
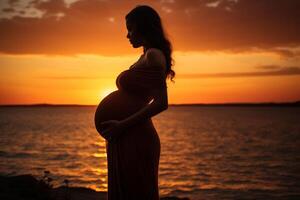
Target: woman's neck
x=145 y=49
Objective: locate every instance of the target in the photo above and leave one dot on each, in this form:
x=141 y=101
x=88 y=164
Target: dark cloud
x=279 y=71
x=51 y=7
x=248 y=24
x=8 y=10
x=268 y=67
x=12 y=1
x=92 y=26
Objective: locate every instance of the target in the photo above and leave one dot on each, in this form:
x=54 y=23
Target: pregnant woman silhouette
x=123 y=117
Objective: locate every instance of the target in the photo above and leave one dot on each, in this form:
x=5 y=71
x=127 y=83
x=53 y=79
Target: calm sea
x=206 y=152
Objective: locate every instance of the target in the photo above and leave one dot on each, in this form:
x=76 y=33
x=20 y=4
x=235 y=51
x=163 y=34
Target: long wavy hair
x=149 y=25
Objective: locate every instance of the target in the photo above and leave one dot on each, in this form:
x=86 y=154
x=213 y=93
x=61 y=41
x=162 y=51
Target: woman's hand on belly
x=112 y=130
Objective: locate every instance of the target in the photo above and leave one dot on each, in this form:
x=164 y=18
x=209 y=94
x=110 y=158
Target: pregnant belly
x=117 y=105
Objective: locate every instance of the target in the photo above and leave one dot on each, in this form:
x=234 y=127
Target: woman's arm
x=157 y=105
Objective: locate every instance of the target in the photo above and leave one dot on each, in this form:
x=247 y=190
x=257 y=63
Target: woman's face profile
x=134 y=37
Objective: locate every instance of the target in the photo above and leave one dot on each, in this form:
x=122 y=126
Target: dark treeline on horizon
x=270 y=104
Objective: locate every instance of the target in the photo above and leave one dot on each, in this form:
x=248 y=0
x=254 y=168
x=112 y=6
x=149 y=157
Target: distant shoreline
x=264 y=104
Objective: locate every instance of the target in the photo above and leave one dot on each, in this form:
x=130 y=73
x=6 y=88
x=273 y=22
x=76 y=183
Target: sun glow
x=105 y=92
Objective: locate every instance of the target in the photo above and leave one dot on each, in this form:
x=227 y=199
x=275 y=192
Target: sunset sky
x=70 y=51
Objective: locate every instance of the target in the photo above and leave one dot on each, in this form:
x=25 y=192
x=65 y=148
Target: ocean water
x=206 y=152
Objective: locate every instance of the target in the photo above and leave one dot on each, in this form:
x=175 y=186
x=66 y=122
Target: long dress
x=133 y=160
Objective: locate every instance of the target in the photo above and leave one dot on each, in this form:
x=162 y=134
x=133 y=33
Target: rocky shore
x=28 y=187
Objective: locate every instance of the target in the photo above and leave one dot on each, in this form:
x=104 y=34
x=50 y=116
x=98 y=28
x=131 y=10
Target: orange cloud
x=97 y=27
x=279 y=71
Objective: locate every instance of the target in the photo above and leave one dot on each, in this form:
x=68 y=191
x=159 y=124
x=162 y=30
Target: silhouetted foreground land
x=29 y=188
x=268 y=104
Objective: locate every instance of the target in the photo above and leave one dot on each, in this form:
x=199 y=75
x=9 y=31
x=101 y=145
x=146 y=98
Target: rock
x=174 y=198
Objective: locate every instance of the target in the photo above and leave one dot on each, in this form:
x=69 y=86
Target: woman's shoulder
x=155 y=57
x=154 y=54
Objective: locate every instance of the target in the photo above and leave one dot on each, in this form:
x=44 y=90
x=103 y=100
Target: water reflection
x=202 y=148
